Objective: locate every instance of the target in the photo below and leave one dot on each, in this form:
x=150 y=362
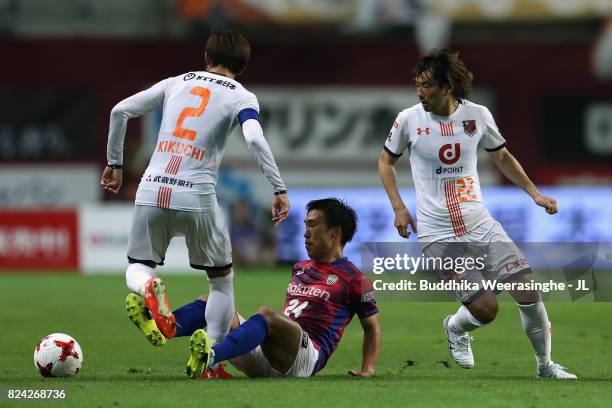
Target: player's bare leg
x=284 y=354
x=470 y=316
x=283 y=341
x=538 y=329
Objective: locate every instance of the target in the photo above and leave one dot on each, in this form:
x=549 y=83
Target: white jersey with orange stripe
x=200 y=109
x=442 y=152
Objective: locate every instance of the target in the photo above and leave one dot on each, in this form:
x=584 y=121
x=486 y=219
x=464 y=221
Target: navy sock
x=190 y=318
x=245 y=338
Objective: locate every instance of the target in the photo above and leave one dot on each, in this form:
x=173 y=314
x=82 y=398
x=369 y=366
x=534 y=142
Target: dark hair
x=337 y=214
x=229 y=49
x=446 y=69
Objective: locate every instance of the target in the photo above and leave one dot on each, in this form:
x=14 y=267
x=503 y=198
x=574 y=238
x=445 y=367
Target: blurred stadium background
x=330 y=77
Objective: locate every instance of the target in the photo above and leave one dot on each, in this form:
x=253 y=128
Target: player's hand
x=112 y=179
x=363 y=373
x=549 y=203
x=402 y=220
x=280 y=209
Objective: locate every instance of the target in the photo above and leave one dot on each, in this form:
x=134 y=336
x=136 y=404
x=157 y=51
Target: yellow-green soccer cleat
x=201 y=354
x=137 y=312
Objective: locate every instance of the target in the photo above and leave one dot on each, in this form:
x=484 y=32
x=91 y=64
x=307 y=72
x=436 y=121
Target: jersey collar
x=457 y=111
x=338 y=261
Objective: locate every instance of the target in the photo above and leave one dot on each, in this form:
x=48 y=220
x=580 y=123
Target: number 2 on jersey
x=190 y=134
x=465 y=190
x=295 y=308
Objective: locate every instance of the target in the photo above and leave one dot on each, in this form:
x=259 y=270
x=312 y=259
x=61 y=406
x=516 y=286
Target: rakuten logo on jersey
x=307 y=291
x=450 y=153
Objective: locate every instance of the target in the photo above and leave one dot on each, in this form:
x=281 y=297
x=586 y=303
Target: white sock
x=463 y=321
x=537 y=328
x=220 y=306
x=137 y=275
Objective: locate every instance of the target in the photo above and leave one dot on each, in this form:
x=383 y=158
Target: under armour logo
x=420 y=131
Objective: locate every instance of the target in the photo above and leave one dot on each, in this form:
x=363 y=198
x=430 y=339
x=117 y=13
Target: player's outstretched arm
x=512 y=169
x=259 y=148
x=403 y=218
x=372 y=338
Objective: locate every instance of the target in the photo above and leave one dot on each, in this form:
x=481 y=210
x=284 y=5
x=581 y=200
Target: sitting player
x=323 y=295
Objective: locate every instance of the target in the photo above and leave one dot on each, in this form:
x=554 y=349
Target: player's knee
x=218 y=273
x=488 y=312
x=485 y=312
x=528 y=297
x=268 y=314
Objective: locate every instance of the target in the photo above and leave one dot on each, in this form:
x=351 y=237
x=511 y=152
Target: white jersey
x=442 y=153
x=200 y=109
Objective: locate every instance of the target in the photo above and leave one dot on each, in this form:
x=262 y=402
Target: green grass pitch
x=121 y=369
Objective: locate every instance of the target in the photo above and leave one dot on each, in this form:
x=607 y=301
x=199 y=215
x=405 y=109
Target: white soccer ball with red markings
x=58 y=355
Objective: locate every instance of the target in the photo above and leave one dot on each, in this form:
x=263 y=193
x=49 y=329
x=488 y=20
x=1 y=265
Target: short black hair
x=446 y=69
x=337 y=214
x=228 y=48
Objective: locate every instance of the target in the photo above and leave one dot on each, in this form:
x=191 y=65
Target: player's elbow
x=376 y=331
x=373 y=336
x=118 y=113
x=372 y=339
x=254 y=144
x=371 y=326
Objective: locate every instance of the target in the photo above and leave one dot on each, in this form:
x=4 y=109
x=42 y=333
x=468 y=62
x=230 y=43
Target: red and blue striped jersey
x=323 y=298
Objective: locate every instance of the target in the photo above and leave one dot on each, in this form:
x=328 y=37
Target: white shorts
x=205 y=233
x=503 y=260
x=255 y=364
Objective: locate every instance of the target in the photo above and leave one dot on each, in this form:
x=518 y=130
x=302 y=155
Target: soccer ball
x=58 y=355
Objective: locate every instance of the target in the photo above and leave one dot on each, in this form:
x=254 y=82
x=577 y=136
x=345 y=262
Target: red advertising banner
x=39 y=239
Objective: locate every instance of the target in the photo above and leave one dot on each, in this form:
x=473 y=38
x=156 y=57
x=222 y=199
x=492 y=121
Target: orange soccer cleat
x=157 y=303
x=218 y=374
